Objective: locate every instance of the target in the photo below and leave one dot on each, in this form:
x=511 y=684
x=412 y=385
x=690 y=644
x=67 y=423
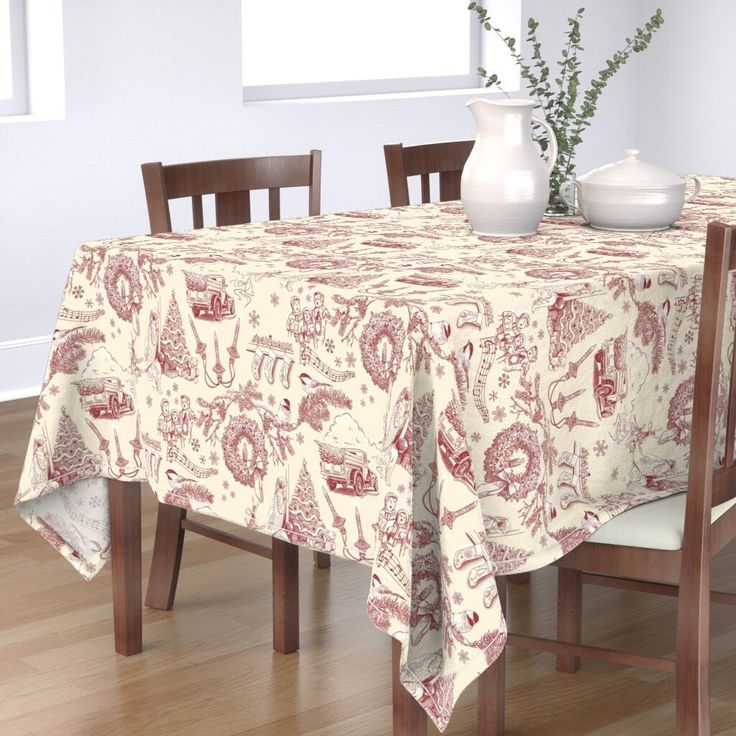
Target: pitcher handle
x=696 y=191
x=552 y=150
x=563 y=196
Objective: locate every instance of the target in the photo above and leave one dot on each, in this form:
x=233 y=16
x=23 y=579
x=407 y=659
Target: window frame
x=18 y=104
x=369 y=87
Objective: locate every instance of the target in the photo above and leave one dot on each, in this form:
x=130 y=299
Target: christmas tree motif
x=303 y=524
x=568 y=322
x=71 y=459
x=173 y=354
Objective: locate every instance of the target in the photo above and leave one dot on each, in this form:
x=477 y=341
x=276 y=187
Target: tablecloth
x=383 y=386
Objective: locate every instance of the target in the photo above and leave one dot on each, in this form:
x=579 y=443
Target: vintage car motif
x=610 y=383
x=454 y=451
x=206 y=296
x=104 y=397
x=346 y=469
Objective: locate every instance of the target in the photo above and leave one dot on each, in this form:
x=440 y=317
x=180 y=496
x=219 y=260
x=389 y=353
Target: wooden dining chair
x=665 y=546
x=231 y=182
x=445 y=159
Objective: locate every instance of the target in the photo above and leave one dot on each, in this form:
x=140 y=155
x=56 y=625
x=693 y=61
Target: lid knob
x=631 y=152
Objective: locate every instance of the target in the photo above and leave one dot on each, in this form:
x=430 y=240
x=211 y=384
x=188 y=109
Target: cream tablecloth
x=383 y=386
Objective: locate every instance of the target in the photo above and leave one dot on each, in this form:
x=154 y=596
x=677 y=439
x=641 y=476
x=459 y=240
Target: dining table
x=383 y=386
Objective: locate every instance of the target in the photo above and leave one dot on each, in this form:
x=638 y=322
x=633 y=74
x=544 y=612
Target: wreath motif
x=517 y=438
x=244 y=450
x=381 y=345
x=123 y=286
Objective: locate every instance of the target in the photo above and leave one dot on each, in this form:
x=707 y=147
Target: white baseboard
x=22 y=366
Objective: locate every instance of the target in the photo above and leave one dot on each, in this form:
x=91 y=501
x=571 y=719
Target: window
x=13 y=58
x=294 y=49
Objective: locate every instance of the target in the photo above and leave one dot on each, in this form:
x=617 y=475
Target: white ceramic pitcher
x=505 y=183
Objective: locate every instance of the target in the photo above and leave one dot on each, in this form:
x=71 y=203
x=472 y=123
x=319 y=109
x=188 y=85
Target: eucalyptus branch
x=565 y=114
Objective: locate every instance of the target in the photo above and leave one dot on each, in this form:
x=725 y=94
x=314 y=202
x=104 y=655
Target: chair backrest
x=707 y=486
x=445 y=159
x=231 y=181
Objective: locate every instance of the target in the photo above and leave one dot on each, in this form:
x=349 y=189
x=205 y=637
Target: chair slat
x=197 y=215
x=731 y=421
x=426 y=194
x=449 y=185
x=232 y=208
x=274 y=203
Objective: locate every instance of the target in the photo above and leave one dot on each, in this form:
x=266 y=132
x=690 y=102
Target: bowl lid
x=631 y=172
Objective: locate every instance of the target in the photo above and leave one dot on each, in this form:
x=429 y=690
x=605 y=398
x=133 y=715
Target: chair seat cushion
x=655 y=525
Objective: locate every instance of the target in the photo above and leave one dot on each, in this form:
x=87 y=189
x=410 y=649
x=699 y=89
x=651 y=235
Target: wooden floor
x=208 y=669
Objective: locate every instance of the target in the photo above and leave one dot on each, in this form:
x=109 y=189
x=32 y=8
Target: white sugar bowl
x=629 y=195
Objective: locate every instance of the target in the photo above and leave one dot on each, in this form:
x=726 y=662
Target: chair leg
x=409 y=717
x=321 y=560
x=492 y=686
x=569 y=615
x=692 y=671
x=166 y=560
x=285 y=577
x=125 y=543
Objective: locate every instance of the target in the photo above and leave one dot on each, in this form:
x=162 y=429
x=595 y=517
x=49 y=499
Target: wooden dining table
x=383 y=386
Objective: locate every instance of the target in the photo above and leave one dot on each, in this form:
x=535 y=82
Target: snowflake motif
x=78 y=292
x=53 y=390
x=457 y=598
x=475 y=436
x=435 y=308
x=308 y=298
x=660 y=399
x=275 y=300
x=214 y=458
x=254 y=318
x=271 y=399
x=682 y=366
x=169 y=269
x=299 y=438
x=504 y=380
x=112 y=323
x=224 y=497
x=600 y=448
x=498 y=414
x=149 y=401
x=540 y=334
x=232 y=494
x=168 y=392
x=95 y=502
x=175 y=386
x=680 y=350
x=371 y=400
x=666 y=387
x=100 y=299
x=363 y=388
x=350 y=360
x=614 y=474
x=493 y=396
x=689 y=336
x=362 y=402
x=330 y=345
x=226 y=484
x=89 y=304
x=463 y=656
x=401 y=488
x=338 y=361
x=626 y=306
x=195 y=445
x=202 y=459
x=120 y=331
x=440 y=371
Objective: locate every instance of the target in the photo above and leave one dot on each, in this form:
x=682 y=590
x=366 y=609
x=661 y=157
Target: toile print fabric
x=383 y=386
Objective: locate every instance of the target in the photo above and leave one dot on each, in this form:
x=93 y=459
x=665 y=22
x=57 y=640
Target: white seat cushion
x=655 y=525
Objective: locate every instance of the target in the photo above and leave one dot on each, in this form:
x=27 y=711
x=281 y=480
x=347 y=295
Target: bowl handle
x=564 y=187
x=696 y=191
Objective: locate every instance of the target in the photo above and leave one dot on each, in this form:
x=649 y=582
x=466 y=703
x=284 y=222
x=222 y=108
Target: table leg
x=285 y=577
x=492 y=686
x=125 y=542
x=409 y=717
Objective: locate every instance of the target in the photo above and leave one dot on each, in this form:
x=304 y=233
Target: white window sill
x=377 y=97
x=30 y=118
